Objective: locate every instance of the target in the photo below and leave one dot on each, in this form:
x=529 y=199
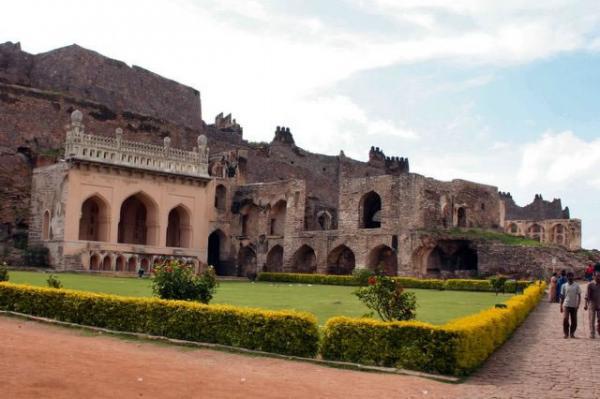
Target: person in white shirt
x=570 y=298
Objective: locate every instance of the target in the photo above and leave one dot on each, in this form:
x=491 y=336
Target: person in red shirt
x=589 y=272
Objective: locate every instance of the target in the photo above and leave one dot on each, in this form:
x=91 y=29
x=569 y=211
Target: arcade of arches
x=341 y=261
x=451 y=256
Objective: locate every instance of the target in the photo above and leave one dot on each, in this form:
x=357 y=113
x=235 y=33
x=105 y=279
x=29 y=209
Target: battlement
x=393 y=165
x=228 y=124
x=116 y=151
x=283 y=135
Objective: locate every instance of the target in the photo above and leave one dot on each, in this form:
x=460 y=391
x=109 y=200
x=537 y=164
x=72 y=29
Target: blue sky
x=504 y=93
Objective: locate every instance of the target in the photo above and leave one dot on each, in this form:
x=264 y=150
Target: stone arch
x=461 y=217
x=246 y=262
x=220 y=198
x=46 y=225
x=277 y=217
x=370 y=211
x=449 y=257
x=138 y=221
x=384 y=260
x=324 y=220
x=179 y=227
x=535 y=232
x=120 y=263
x=145 y=265
x=341 y=261
x=217 y=252
x=94 y=222
x=95 y=262
x=513 y=228
x=274 y=259
x=107 y=263
x=304 y=260
x=132 y=264
x=559 y=234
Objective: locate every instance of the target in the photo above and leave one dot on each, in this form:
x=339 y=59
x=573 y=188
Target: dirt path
x=39 y=360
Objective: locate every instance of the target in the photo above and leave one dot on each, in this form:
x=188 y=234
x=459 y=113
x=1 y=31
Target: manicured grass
x=324 y=301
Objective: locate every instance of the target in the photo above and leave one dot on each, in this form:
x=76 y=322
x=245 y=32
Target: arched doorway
x=95 y=262
x=94 y=221
x=324 y=220
x=120 y=263
x=341 y=261
x=274 y=259
x=277 y=218
x=370 y=211
x=138 y=222
x=536 y=232
x=132 y=264
x=217 y=244
x=461 y=217
x=451 y=257
x=145 y=265
x=179 y=228
x=246 y=262
x=383 y=259
x=220 y=198
x=304 y=260
x=107 y=263
x=513 y=228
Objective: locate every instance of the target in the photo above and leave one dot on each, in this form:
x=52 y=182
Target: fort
x=137 y=176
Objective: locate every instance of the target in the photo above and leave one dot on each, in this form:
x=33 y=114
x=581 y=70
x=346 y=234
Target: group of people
x=566 y=291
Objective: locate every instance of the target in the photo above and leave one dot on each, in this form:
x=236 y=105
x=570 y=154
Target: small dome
x=76 y=116
x=202 y=141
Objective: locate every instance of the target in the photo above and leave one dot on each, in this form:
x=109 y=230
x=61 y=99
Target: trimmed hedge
x=285 y=332
x=455 y=348
x=407 y=282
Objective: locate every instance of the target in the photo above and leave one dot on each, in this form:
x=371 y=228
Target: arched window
x=220 y=198
x=138 y=223
x=277 y=218
x=304 y=260
x=324 y=220
x=341 y=261
x=179 y=228
x=370 y=211
x=46 y=226
x=94 y=221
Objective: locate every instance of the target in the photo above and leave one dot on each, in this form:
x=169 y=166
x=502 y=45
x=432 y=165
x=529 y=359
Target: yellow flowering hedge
x=406 y=282
x=284 y=332
x=455 y=348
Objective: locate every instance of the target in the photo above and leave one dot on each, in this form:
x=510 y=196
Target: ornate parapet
x=116 y=151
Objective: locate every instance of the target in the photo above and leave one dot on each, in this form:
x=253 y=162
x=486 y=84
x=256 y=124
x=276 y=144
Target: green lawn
x=324 y=301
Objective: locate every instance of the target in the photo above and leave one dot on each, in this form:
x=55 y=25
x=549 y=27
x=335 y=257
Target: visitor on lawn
x=592 y=301
x=570 y=298
x=552 y=294
x=561 y=280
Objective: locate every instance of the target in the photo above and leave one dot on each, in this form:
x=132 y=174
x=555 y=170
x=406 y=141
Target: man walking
x=592 y=301
x=570 y=299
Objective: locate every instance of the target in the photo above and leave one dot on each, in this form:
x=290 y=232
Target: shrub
x=36 y=256
x=174 y=280
x=498 y=283
x=4 y=272
x=361 y=276
x=455 y=348
x=424 y=283
x=458 y=284
x=54 y=282
x=302 y=278
x=285 y=332
x=386 y=296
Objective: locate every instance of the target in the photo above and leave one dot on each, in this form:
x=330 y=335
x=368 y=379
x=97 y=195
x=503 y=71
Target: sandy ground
x=45 y=361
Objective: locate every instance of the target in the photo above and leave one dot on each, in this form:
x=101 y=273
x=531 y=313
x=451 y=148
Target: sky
x=497 y=92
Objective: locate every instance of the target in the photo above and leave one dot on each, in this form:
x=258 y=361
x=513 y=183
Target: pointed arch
x=370 y=211
x=220 y=198
x=132 y=264
x=95 y=262
x=94 y=222
x=138 y=221
x=536 y=232
x=107 y=263
x=217 y=252
x=341 y=261
x=120 y=263
x=383 y=259
x=304 y=260
x=324 y=220
x=274 y=259
x=179 y=227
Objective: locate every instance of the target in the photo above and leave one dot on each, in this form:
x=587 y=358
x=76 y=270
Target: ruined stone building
x=148 y=188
